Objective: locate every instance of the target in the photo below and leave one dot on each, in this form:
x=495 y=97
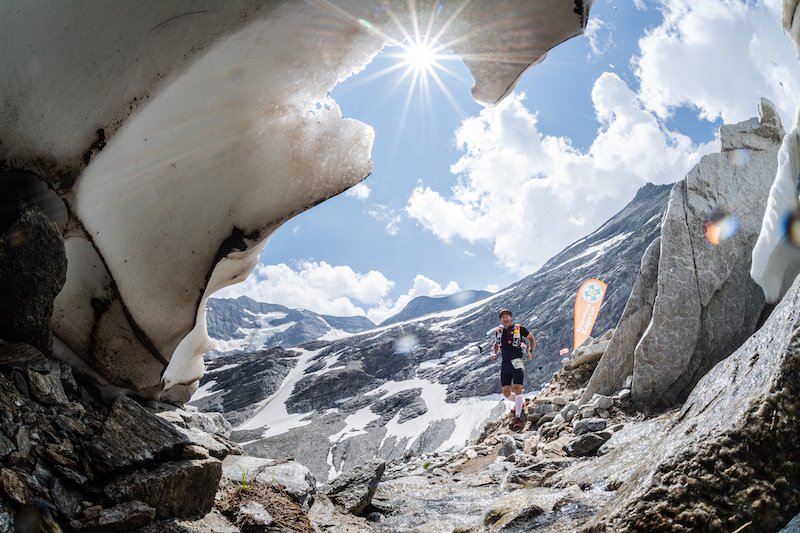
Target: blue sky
x=604 y=111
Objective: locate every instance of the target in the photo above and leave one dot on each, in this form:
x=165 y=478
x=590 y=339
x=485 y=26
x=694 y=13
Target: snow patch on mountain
x=272 y=413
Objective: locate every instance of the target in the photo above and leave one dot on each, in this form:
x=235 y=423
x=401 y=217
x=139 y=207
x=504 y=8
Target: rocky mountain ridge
x=423 y=384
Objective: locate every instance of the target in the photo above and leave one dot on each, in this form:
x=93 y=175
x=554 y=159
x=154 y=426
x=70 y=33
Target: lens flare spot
x=405 y=344
x=739 y=157
x=722 y=227
x=792 y=228
x=365 y=23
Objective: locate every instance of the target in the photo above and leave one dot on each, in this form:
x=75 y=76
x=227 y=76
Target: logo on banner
x=592 y=292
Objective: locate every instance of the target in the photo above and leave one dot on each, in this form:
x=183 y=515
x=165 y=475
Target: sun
x=420 y=56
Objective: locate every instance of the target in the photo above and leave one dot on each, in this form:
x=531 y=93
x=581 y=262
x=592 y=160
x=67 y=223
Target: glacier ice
x=776 y=260
x=181 y=134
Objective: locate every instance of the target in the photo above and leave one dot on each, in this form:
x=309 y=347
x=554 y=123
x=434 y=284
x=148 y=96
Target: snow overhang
x=179 y=135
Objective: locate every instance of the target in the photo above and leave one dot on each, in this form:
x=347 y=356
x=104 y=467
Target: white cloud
x=422 y=286
x=492 y=287
x=387 y=215
x=718 y=57
x=359 y=191
x=320 y=287
x=332 y=290
x=530 y=194
x=639 y=4
x=599 y=34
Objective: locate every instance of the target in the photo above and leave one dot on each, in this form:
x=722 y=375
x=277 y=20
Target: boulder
x=255 y=515
x=353 y=491
x=706 y=305
x=46 y=387
x=13 y=486
x=601 y=401
x=589 y=425
x=544 y=408
x=217 y=446
x=123 y=517
x=507 y=446
x=588 y=354
x=65 y=499
x=194 y=451
x=586 y=444
x=33 y=268
x=730 y=454
x=213 y=522
x=209 y=422
x=6 y=518
x=296 y=480
x=6 y=446
x=174 y=489
x=132 y=436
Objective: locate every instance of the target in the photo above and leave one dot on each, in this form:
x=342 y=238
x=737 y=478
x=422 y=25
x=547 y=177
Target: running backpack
x=498 y=336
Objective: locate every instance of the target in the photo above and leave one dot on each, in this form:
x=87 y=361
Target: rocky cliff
x=694 y=302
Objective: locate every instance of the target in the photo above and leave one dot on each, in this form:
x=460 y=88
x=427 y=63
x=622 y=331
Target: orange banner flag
x=587 y=305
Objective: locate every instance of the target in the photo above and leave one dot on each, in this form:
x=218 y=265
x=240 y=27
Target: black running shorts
x=509 y=374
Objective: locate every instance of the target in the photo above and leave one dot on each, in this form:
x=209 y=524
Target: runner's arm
x=531 y=345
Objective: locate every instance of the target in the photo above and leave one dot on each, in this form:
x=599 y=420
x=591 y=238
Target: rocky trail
x=526 y=480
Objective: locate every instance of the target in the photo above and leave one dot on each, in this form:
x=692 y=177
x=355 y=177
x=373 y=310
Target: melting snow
x=204 y=390
x=271 y=413
x=599 y=249
x=468 y=413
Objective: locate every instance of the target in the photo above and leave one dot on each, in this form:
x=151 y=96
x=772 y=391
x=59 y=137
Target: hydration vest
x=498 y=336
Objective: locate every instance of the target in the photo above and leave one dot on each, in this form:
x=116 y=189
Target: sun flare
x=420 y=55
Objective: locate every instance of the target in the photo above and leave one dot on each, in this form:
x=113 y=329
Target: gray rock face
x=180 y=488
x=353 y=491
x=33 y=267
x=337 y=384
x=730 y=455
x=617 y=361
x=131 y=436
x=412 y=409
x=126 y=516
x=706 y=304
x=391 y=405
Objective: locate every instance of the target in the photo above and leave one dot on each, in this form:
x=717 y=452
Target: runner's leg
x=517 y=399
x=507 y=392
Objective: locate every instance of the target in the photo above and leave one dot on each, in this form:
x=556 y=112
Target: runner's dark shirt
x=507 y=347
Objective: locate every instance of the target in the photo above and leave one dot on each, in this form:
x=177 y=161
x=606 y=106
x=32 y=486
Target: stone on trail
x=353 y=491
